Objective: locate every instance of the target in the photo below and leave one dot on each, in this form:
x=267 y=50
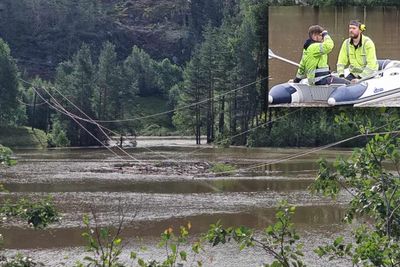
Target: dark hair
x=355 y=22
x=315 y=29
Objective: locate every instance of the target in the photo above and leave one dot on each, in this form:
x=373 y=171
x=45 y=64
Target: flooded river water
x=170 y=186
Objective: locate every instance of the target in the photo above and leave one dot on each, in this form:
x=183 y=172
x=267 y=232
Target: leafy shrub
x=58 y=137
x=19 y=260
x=223 y=169
x=5 y=156
x=39 y=214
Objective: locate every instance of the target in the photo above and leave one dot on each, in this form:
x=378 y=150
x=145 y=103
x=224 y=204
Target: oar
x=272 y=55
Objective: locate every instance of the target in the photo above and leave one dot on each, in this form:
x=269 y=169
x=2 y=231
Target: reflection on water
x=308 y=216
x=289 y=26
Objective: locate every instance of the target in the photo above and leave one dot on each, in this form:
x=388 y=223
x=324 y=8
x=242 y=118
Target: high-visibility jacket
x=314 y=62
x=360 y=59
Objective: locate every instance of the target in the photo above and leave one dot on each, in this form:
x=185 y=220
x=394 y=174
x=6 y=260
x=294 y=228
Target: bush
x=279 y=240
x=223 y=140
x=371 y=177
x=19 y=260
x=39 y=214
x=5 y=156
x=58 y=137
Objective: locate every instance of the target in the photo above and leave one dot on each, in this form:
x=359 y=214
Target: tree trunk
x=222 y=116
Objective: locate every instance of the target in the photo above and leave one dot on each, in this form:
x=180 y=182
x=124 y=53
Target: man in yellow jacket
x=358 y=53
x=314 y=62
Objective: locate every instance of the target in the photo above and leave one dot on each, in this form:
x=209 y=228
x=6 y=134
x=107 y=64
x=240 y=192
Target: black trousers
x=351 y=77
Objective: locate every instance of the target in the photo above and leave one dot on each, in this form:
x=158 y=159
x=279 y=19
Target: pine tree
x=109 y=85
x=9 y=86
x=192 y=90
x=141 y=69
x=76 y=80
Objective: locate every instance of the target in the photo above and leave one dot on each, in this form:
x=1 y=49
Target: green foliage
x=19 y=260
x=175 y=255
x=76 y=79
x=105 y=245
x=45 y=33
x=223 y=140
x=157 y=125
x=109 y=90
x=155 y=130
x=223 y=61
x=374 y=188
x=222 y=169
x=168 y=75
x=111 y=95
x=6 y=157
x=38 y=214
x=142 y=70
x=9 y=89
x=279 y=240
x=327 y=183
x=57 y=136
x=37 y=111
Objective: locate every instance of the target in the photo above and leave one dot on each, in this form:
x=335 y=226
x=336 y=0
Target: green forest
x=81 y=70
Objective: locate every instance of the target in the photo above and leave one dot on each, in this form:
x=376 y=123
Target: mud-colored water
x=154 y=195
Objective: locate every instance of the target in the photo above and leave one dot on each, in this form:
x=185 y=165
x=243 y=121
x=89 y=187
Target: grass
x=22 y=137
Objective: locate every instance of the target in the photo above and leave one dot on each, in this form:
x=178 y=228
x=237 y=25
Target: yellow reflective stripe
x=356 y=69
x=364 y=55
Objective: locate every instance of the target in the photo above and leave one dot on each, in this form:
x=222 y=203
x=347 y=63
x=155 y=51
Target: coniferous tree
x=109 y=84
x=76 y=80
x=8 y=85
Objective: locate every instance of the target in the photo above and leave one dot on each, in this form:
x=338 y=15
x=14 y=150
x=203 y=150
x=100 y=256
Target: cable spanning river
x=157 y=193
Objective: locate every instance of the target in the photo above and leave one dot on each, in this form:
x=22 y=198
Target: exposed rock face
x=43 y=33
x=160 y=27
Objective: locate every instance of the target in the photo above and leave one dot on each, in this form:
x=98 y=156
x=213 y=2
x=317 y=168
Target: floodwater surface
x=167 y=187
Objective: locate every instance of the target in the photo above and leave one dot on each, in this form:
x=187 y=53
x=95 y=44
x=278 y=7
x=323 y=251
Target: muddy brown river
x=157 y=193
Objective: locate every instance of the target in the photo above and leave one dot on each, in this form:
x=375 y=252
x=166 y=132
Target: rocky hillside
x=42 y=33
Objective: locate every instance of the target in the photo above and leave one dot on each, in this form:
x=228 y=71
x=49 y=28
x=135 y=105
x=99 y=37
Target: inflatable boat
x=384 y=84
